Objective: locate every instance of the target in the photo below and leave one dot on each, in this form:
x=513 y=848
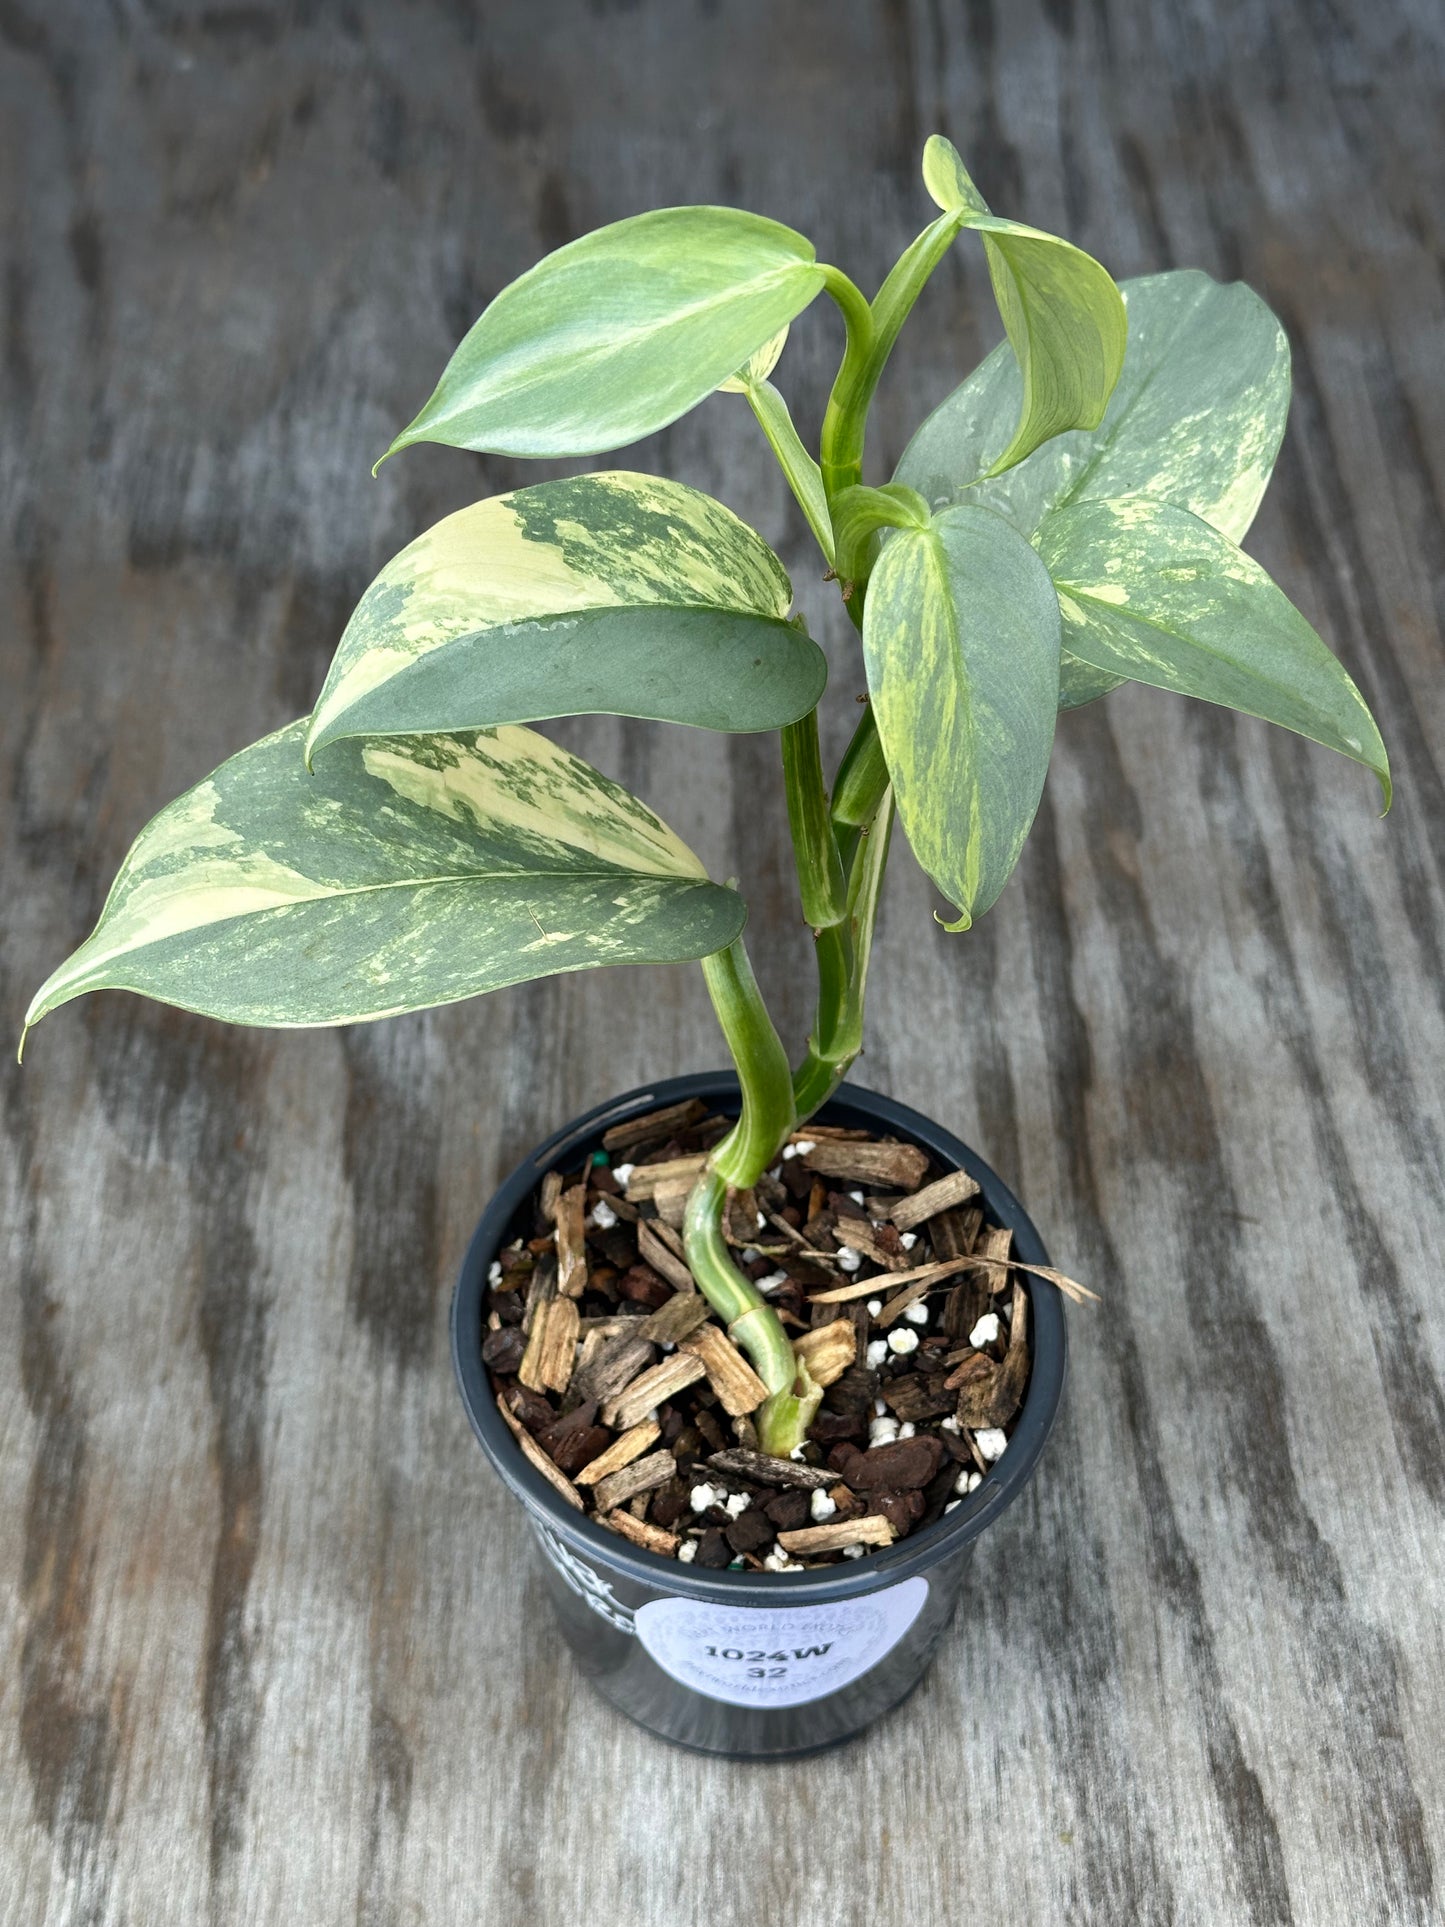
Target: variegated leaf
x=1152 y=593
x=615 y=593
x=1061 y=310
x=1196 y=418
x=399 y=875
x=961 y=639
x=619 y=333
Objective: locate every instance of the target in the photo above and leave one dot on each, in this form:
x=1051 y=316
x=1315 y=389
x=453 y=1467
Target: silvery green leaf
x=615 y=593
x=619 y=333
x=1061 y=310
x=961 y=641
x=1152 y=593
x=399 y=875
x=1196 y=419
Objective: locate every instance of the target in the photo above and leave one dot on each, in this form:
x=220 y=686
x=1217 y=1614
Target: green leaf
x=402 y=874
x=618 y=594
x=619 y=333
x=1062 y=312
x=1152 y=593
x=961 y=640
x=1196 y=419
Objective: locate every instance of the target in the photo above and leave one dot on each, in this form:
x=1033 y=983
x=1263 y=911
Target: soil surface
x=623 y=1389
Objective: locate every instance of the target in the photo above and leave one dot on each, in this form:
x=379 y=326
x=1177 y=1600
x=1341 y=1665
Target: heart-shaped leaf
x=618 y=594
x=961 y=639
x=1062 y=312
x=619 y=333
x=400 y=875
x=1196 y=418
x=1153 y=594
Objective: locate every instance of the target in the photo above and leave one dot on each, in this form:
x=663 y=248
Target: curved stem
x=840 y=445
x=871 y=336
x=768 y=1115
x=762 y=1066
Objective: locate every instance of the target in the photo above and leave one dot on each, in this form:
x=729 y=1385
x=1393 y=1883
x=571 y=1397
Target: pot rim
x=1003 y=1482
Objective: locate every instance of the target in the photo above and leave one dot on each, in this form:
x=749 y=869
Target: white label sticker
x=761 y=1656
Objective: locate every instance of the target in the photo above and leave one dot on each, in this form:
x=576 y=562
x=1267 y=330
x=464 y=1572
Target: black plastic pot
x=753 y=1665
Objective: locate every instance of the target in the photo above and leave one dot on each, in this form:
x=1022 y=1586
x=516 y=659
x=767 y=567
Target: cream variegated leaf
x=1196 y=418
x=619 y=333
x=398 y=875
x=617 y=593
x=1062 y=312
x=1153 y=594
x=961 y=640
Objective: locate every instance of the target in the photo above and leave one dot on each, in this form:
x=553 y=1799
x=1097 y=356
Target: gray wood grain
x=272 y=1649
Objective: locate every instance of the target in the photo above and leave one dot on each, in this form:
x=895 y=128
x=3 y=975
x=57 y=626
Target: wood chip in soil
x=737 y=1385
x=650 y=1390
x=870 y=1530
x=622 y=1451
x=828 y=1350
x=942 y=1195
x=641 y=1476
x=650 y=1538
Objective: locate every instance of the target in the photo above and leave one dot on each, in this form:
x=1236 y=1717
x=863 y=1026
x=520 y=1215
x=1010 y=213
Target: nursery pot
x=752 y=1665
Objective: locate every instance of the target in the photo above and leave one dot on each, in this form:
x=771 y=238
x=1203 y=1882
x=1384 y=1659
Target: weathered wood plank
x=259 y=1574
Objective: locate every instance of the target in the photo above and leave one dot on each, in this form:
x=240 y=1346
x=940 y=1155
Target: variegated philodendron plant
x=1069 y=519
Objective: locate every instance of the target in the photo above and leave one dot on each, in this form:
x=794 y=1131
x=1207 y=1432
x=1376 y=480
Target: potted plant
x=760 y=1357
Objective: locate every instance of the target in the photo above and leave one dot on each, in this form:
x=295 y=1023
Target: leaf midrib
x=542 y=370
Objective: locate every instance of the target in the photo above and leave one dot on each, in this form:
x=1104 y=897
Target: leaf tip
x=963 y=922
x=947 y=179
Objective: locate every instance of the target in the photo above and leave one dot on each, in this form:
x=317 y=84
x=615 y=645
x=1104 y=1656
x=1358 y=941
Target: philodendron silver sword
x=1068 y=520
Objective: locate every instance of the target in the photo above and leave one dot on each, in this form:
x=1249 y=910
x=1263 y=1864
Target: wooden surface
x=274 y=1649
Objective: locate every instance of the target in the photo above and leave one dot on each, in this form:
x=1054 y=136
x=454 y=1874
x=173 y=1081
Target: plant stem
x=738 y=1162
x=840 y=446
x=837 y=1035
x=762 y=1066
x=841 y=911
x=862 y=776
x=871 y=335
x=821 y=883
